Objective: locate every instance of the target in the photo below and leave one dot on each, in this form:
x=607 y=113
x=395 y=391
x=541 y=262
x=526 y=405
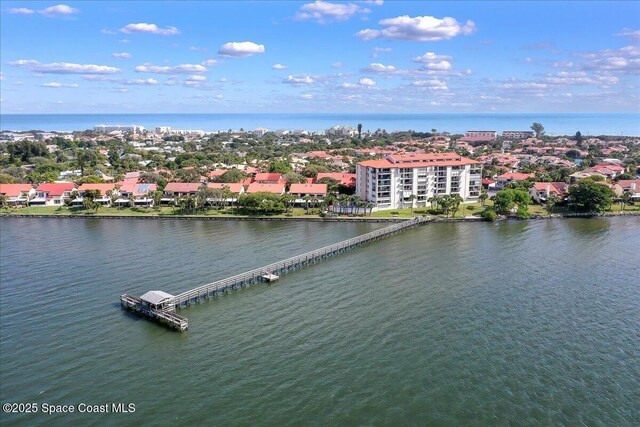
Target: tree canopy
x=590 y=196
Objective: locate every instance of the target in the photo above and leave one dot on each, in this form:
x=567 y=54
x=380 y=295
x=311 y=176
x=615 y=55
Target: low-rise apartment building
x=404 y=180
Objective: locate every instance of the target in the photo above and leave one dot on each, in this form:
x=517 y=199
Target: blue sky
x=366 y=56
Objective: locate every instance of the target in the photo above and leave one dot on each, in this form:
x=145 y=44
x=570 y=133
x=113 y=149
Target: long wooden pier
x=165 y=314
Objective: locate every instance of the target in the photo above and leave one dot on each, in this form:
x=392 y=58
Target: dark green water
x=516 y=323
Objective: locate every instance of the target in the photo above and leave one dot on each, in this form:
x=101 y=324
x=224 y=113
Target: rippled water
x=532 y=323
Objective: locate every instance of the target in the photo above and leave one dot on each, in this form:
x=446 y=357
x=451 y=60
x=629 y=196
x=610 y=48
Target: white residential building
x=341 y=131
x=518 y=134
x=484 y=133
x=117 y=128
x=391 y=182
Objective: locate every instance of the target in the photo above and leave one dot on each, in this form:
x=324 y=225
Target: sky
x=330 y=57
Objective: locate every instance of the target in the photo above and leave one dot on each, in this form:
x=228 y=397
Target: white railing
x=299 y=260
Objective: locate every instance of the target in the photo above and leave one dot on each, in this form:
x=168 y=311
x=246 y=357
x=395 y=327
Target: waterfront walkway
x=252 y=276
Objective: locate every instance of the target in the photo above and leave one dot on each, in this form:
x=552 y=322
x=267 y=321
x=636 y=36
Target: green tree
x=312 y=170
x=294 y=178
x=280 y=166
x=456 y=200
x=590 y=196
x=187 y=175
x=552 y=201
x=505 y=200
x=483 y=196
x=89 y=199
x=538 y=129
x=625 y=198
x=231 y=176
x=578 y=138
x=7 y=179
x=332 y=184
x=25 y=149
x=360 y=130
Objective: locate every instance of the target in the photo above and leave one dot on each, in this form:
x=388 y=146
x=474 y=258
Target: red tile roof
x=308 y=189
x=14 y=190
x=256 y=187
x=624 y=183
x=515 y=176
x=419 y=161
x=268 y=177
x=56 y=189
x=348 y=179
x=103 y=188
x=183 y=187
x=216 y=173
x=233 y=187
x=558 y=188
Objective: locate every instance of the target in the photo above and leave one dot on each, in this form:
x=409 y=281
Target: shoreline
x=313 y=219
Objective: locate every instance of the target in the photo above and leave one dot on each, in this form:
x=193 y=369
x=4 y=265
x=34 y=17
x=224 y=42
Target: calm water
x=555 y=123
x=530 y=323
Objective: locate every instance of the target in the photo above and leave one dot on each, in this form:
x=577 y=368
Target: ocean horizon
x=614 y=124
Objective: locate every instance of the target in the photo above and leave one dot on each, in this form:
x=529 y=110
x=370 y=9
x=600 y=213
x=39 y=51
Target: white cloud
x=433 y=84
x=210 y=62
x=363 y=82
x=198 y=49
x=141 y=82
x=628 y=32
x=432 y=61
x=64 y=67
x=121 y=55
x=178 y=69
x=196 y=78
x=376 y=2
x=377 y=67
x=306 y=96
x=107 y=31
x=337 y=65
x=57 y=10
x=240 y=49
x=298 y=79
x=368 y=34
x=143 y=27
x=419 y=28
x=279 y=67
x=57 y=85
x=1 y=76
x=21 y=11
x=324 y=12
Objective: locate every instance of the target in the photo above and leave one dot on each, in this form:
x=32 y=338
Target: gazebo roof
x=156 y=297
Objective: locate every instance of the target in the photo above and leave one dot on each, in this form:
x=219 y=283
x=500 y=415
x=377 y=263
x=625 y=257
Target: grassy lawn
x=140 y=211
x=464 y=210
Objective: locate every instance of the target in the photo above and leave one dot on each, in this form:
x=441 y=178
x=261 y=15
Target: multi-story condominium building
x=486 y=133
x=404 y=180
x=341 y=131
x=518 y=134
x=117 y=128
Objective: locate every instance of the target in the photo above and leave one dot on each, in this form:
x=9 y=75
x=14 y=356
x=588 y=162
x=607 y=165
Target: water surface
x=531 y=323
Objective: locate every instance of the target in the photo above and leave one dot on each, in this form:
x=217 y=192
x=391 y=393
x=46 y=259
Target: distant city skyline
x=327 y=57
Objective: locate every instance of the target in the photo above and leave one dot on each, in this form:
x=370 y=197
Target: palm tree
x=624 y=200
x=226 y=195
x=307 y=199
x=483 y=196
x=355 y=200
x=411 y=199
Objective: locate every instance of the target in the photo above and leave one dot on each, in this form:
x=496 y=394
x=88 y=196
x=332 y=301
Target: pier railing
x=210 y=289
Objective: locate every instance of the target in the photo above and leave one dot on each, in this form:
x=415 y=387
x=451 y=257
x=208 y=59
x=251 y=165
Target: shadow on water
x=586 y=227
